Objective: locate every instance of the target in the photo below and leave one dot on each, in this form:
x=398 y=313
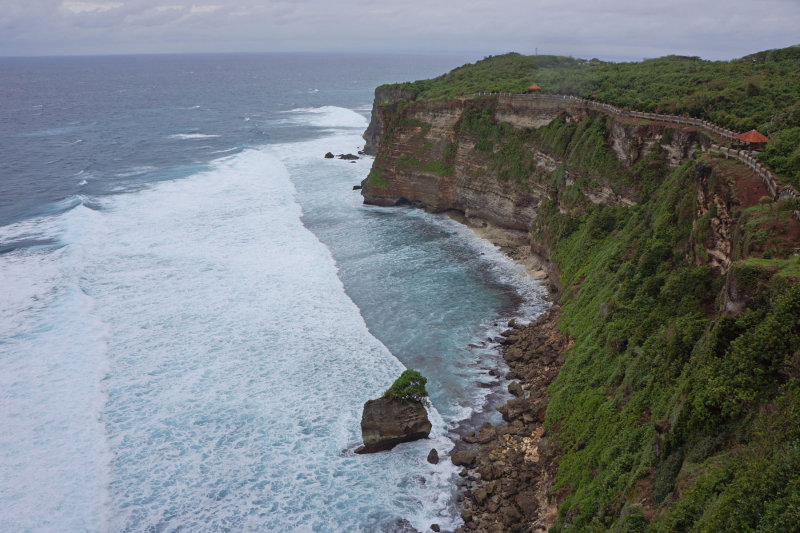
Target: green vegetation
x=376 y=178
x=759 y=91
x=782 y=155
x=663 y=389
x=582 y=145
x=409 y=387
x=443 y=168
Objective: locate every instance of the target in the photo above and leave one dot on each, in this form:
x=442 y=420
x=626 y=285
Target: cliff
x=453 y=156
x=386 y=98
x=674 y=402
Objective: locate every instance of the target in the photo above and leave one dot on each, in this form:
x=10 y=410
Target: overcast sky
x=607 y=29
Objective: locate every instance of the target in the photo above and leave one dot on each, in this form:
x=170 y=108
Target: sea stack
x=398 y=416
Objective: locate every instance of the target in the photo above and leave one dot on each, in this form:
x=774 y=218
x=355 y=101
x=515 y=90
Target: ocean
x=195 y=303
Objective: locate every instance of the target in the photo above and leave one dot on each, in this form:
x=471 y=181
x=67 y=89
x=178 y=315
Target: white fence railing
x=689 y=121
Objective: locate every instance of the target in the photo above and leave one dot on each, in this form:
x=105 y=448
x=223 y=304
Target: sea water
x=195 y=304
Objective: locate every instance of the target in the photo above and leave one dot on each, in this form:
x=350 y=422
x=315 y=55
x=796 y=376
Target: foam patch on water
x=190 y=136
x=329 y=117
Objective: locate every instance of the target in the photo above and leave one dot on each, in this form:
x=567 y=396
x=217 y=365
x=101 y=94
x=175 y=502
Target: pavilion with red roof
x=752 y=137
x=533 y=88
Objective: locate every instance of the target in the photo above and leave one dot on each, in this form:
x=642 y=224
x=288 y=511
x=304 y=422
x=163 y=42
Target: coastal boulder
x=463 y=458
x=329 y=156
x=387 y=422
x=433 y=456
x=399 y=416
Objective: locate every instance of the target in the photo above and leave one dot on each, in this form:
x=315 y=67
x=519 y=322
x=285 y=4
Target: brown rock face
x=384 y=97
x=387 y=422
x=403 y=139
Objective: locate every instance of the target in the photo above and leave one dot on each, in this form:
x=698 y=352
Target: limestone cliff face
x=425 y=158
x=386 y=97
x=422 y=132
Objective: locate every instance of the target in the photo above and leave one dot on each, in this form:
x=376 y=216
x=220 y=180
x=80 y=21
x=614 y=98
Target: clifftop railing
x=778 y=192
x=688 y=121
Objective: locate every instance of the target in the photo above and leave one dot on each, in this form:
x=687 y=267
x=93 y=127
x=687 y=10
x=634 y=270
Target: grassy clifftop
x=759 y=91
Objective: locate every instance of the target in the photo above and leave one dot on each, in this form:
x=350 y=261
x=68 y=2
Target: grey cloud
x=616 y=29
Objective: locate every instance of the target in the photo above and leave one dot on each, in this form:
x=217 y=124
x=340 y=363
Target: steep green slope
x=665 y=398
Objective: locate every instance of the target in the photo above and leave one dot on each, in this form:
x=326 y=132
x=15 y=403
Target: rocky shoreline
x=509 y=469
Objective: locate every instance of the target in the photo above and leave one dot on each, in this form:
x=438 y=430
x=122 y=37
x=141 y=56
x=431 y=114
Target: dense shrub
x=409 y=387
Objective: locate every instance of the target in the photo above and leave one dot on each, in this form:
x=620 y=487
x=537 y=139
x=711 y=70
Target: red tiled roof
x=534 y=86
x=751 y=136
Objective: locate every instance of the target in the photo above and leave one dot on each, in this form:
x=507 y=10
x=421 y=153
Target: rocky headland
x=664 y=384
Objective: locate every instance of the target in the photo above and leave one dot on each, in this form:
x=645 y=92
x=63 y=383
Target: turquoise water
x=196 y=304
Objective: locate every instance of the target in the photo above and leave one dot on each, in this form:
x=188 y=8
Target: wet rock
x=486 y=433
x=513 y=409
x=494 y=504
x=463 y=458
x=515 y=468
x=515 y=389
x=480 y=495
x=356 y=187
x=509 y=514
x=514 y=353
x=348 y=157
x=435 y=527
x=329 y=156
x=387 y=422
x=527 y=502
x=433 y=456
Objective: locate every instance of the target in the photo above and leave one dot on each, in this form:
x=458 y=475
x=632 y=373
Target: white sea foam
x=328 y=117
x=227 y=151
x=237 y=368
x=189 y=136
x=504 y=269
x=53 y=451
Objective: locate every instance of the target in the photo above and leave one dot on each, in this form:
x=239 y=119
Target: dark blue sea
x=195 y=304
